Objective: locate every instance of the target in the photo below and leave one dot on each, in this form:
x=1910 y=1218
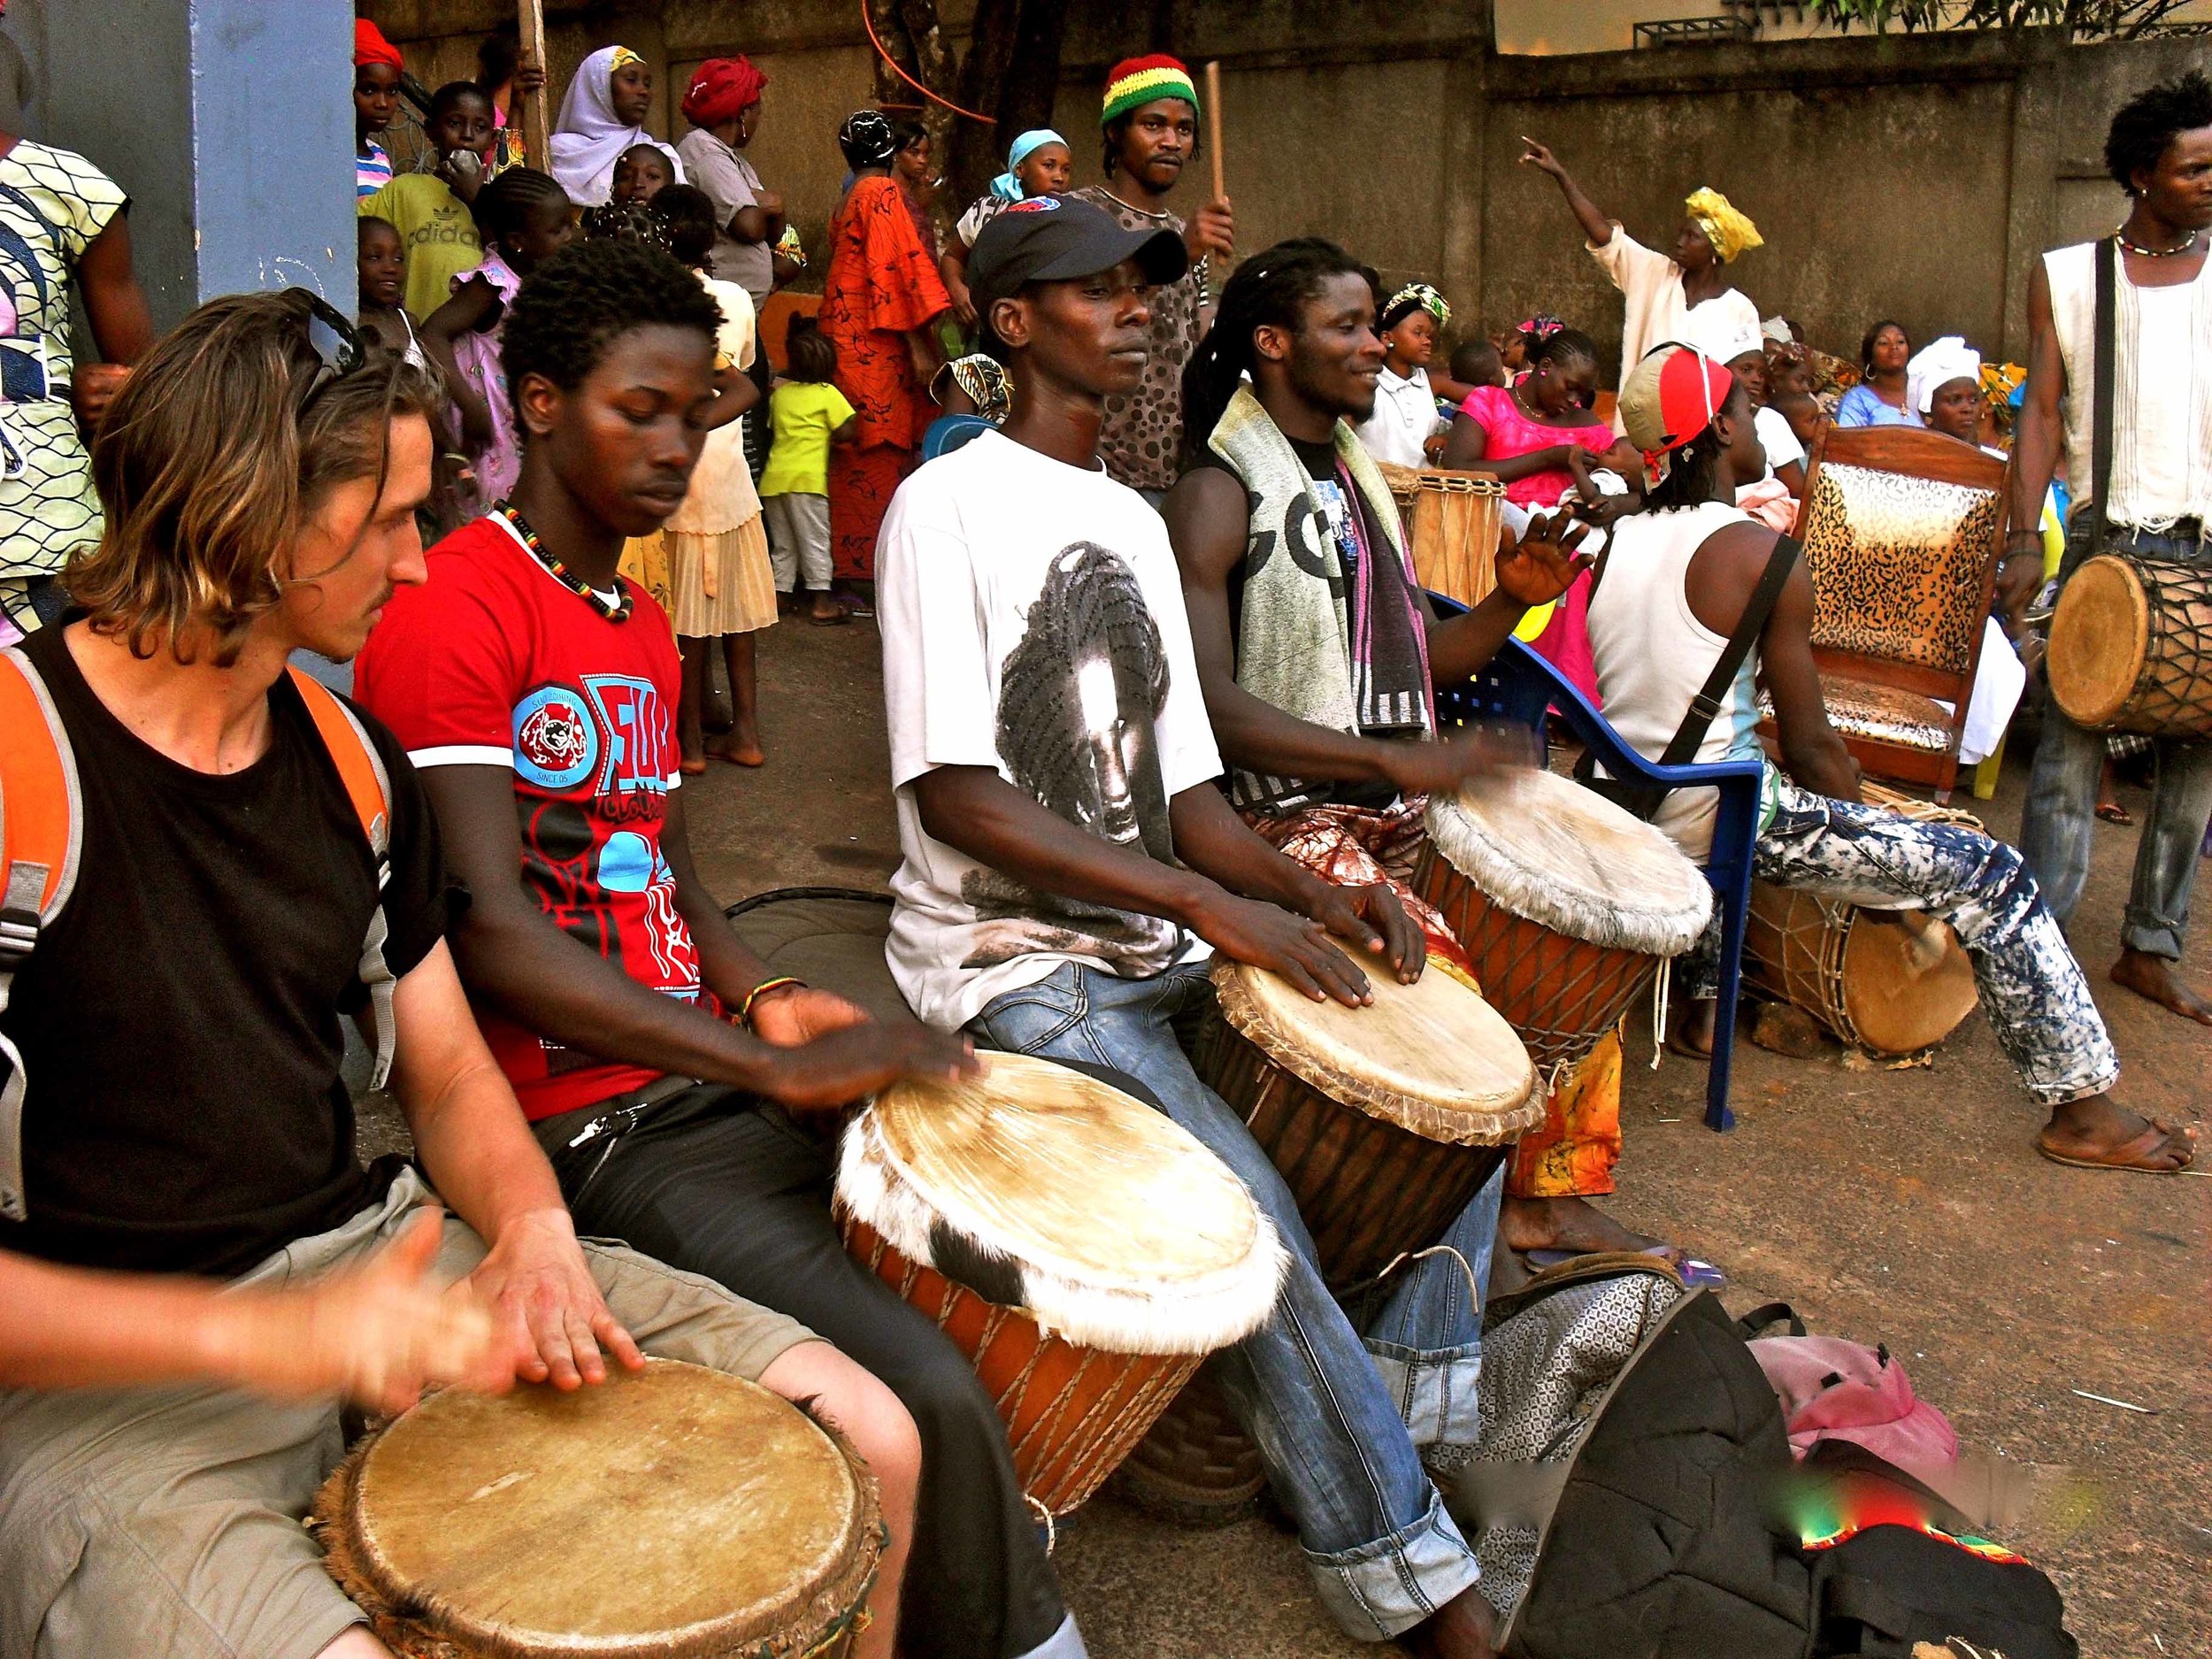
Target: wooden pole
x=1213 y=123
x=536 y=128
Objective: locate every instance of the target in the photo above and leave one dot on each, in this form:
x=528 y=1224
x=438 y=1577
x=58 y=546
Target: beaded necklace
x=619 y=611
x=2120 y=236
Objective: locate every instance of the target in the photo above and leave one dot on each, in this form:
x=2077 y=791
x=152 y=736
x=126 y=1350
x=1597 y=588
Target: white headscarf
x=588 y=140
x=1936 y=365
x=1723 y=339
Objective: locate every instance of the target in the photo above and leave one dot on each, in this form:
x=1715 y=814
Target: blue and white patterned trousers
x=2032 y=988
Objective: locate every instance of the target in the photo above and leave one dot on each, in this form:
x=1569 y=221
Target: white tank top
x=1653 y=655
x=2162 y=428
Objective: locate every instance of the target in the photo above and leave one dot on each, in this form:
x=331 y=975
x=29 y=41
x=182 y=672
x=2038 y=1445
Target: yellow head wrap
x=1729 y=231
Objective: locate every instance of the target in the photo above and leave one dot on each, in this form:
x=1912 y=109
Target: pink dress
x=1508 y=432
x=476 y=354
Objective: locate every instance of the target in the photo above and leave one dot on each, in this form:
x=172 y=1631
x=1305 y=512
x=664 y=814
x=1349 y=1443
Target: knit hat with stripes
x=1136 y=80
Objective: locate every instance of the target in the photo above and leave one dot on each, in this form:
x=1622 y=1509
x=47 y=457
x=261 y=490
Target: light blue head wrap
x=1006 y=186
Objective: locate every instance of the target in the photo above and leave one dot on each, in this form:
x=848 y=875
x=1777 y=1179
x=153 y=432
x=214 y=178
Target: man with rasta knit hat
x=1683 y=294
x=1690 y=575
x=1149 y=122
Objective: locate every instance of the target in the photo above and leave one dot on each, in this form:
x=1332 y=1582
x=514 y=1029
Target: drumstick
x=1213 y=123
x=1928 y=942
x=530 y=18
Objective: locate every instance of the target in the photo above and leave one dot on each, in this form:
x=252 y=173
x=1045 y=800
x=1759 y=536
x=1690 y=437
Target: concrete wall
x=1907 y=176
x=215 y=116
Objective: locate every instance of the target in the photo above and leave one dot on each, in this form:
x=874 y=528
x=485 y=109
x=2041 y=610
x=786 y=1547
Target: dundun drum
x=1384 y=1120
x=2132 y=647
x=1081 y=1249
x=1889 y=983
x=1452 y=521
x=1565 y=902
x=676 y=1512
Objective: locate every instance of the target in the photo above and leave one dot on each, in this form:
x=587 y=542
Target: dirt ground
x=1902 y=1207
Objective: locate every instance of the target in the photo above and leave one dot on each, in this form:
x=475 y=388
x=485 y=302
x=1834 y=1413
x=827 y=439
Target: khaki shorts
x=168 y=1522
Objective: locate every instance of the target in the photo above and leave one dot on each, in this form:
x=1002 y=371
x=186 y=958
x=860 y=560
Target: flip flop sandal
x=2156 y=1137
x=2113 y=812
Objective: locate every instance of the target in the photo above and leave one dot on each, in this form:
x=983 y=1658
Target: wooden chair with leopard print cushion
x=1903 y=529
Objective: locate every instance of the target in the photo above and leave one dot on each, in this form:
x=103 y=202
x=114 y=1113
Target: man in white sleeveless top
x=1674 y=586
x=2156 y=501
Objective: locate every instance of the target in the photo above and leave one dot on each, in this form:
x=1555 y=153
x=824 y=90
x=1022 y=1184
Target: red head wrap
x=370 y=47
x=720 y=88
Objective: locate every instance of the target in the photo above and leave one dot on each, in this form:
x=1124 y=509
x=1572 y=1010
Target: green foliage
x=2085 y=20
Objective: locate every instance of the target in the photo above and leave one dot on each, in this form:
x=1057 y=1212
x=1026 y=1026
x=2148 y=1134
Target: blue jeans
x=1336 y=1418
x=2031 y=987
x=2059 y=822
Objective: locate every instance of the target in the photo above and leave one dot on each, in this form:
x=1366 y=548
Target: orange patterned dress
x=881 y=284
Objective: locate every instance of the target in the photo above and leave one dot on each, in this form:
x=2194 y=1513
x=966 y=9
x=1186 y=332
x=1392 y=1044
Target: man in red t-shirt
x=536 y=690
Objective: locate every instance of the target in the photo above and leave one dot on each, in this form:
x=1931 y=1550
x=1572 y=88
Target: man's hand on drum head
x=1544 y=564
x=839 y=1067
x=548 y=1315
x=1266 y=935
x=1373 y=918
x=1440 y=767
x=378 y=1333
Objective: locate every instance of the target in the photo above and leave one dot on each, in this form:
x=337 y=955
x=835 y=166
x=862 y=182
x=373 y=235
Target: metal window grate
x=1676 y=31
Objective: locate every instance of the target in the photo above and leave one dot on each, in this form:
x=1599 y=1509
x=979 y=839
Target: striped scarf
x=1349 y=655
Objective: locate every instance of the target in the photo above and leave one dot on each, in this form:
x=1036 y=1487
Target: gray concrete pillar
x=229 y=122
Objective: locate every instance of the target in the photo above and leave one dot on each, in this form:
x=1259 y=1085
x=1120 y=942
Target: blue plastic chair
x=1518 y=686
x=948 y=433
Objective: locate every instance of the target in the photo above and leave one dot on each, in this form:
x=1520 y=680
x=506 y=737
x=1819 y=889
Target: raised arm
x=2035 y=451
x=1595 y=225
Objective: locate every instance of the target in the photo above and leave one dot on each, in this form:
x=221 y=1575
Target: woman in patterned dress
x=61 y=219
x=881 y=299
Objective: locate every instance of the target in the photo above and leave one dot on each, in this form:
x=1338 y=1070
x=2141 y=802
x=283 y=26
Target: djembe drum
x=1566 y=902
x=1889 y=981
x=1083 y=1250
x=1452 y=519
x=2132 y=647
x=677 y=1512
x=1384 y=1120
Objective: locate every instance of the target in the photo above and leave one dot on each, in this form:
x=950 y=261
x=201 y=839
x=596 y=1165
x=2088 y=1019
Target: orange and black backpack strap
x=42 y=832
x=41 y=837
x=369 y=786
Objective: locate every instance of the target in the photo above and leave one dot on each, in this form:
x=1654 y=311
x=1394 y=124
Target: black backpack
x=1639 y=1510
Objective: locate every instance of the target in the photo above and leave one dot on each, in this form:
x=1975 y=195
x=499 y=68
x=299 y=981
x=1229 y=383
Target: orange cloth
x=1574 y=1151
x=879 y=285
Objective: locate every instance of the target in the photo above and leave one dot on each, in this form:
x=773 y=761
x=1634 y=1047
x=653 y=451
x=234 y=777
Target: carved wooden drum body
x=1566 y=904
x=1453 y=519
x=676 y=1513
x=1889 y=984
x=2132 y=647
x=1083 y=1251
x=1384 y=1120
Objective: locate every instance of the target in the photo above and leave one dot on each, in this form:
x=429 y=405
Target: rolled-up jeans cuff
x=2151 y=939
x=1436 y=1393
x=1382 y=1589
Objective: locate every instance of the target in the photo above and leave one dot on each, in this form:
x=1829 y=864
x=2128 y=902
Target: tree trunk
x=891 y=31
x=977 y=150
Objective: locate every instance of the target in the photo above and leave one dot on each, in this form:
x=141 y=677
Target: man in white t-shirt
x=1070 y=860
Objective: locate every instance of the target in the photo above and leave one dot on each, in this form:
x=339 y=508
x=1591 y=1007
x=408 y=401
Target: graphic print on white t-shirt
x=1032 y=623
x=1077 y=699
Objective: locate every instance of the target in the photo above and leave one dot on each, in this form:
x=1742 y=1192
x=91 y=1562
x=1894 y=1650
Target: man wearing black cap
x=1070 y=859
